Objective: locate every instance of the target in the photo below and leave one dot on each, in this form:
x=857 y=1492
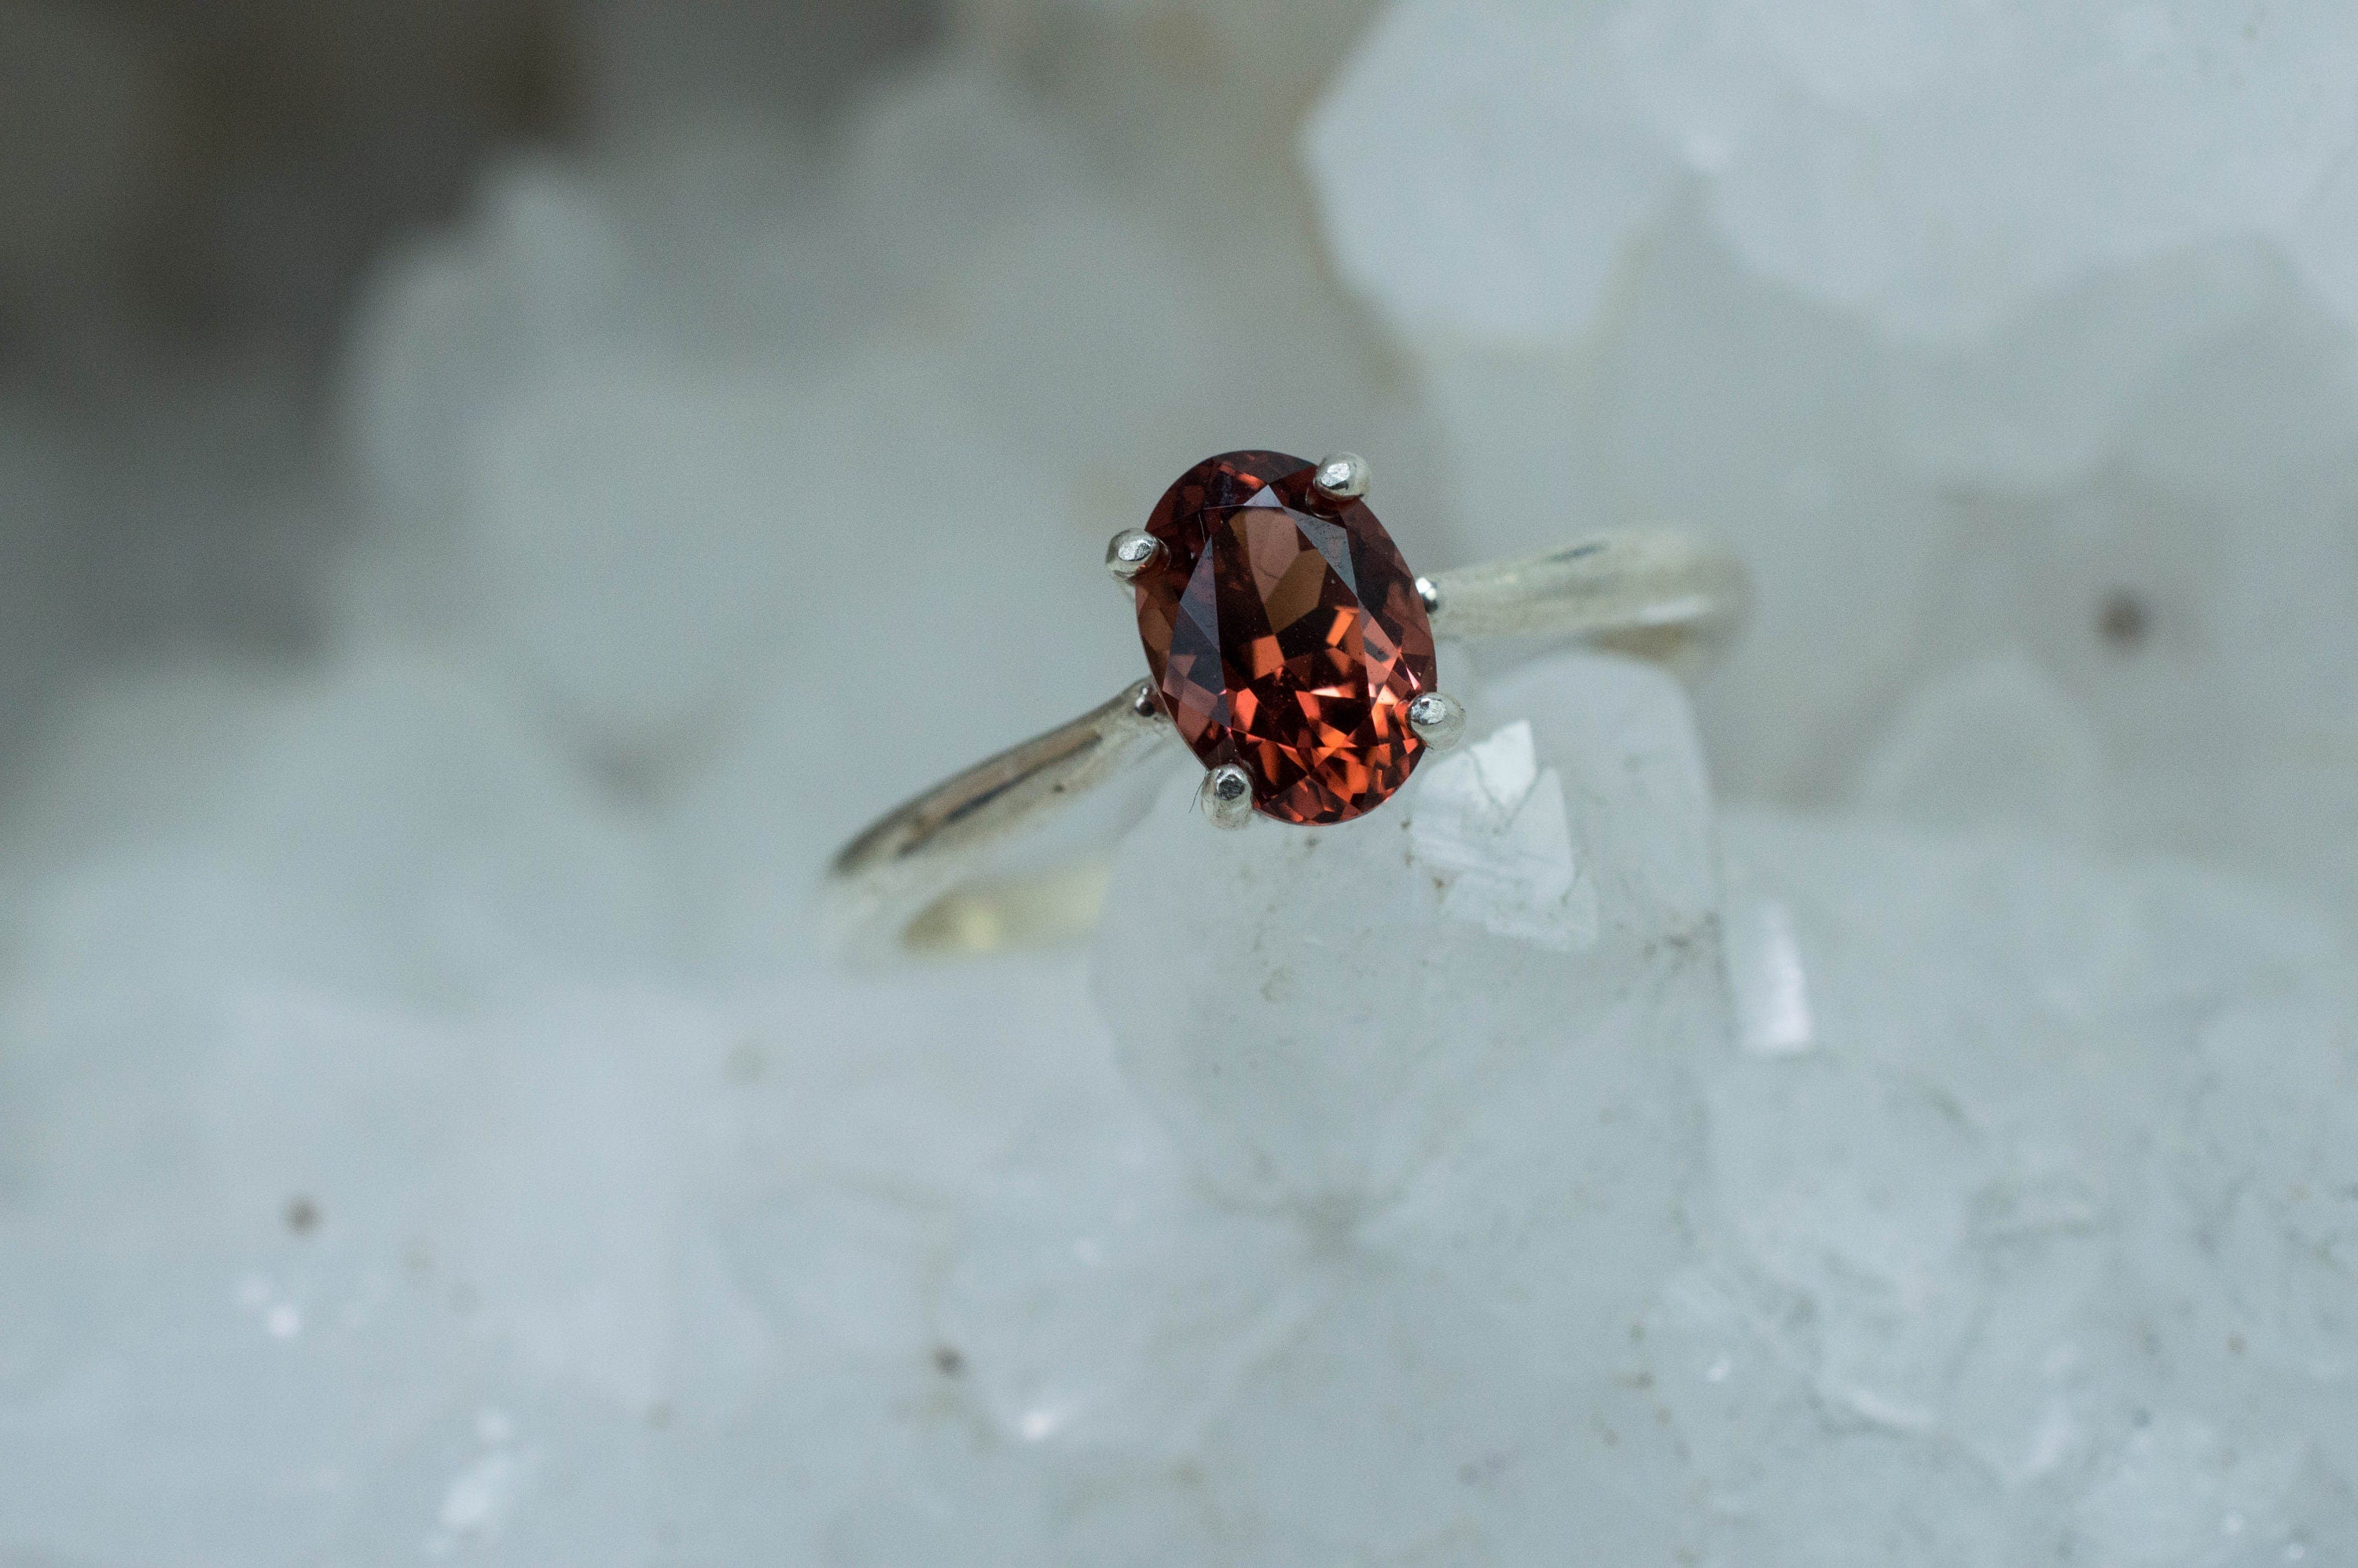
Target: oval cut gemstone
x=1285 y=635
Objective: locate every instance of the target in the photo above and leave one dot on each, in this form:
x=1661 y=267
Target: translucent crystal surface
x=1312 y=1063
x=2065 y=141
x=1986 y=335
x=425 y=1134
x=1847 y=1194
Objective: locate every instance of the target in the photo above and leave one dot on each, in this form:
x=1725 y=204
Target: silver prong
x=1143 y=702
x=1438 y=720
x=1342 y=475
x=1132 y=551
x=1226 y=796
x=1429 y=591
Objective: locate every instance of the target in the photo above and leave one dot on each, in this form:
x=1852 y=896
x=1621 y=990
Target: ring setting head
x=1226 y=796
x=1341 y=476
x=1438 y=719
x=1130 y=552
x=1285 y=635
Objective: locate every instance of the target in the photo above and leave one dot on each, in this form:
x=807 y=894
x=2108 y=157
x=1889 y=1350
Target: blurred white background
x=493 y=492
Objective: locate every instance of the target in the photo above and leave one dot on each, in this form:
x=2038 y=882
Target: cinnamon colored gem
x=1285 y=635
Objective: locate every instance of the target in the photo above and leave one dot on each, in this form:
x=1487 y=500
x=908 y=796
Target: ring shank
x=884 y=887
x=1664 y=597
x=921 y=878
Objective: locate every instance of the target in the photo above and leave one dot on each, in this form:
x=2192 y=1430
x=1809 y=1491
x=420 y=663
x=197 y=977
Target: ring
x=1290 y=647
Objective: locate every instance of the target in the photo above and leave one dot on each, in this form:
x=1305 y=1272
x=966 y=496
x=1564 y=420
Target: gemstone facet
x=1285 y=635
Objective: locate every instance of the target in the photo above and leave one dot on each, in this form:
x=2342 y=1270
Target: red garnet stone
x=1285 y=635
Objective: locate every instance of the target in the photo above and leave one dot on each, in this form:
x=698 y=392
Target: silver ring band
x=925 y=877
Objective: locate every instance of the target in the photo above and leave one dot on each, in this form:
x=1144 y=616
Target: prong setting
x=1438 y=719
x=1428 y=593
x=1226 y=796
x=1342 y=476
x=1130 y=552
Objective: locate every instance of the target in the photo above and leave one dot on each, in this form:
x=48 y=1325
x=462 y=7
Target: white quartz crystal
x=1995 y=745
x=1957 y=162
x=1501 y=1176
x=427 y=1133
x=1342 y=1053
x=1494 y=826
x=1994 y=337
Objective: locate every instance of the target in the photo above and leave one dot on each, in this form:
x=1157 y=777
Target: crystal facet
x=1285 y=635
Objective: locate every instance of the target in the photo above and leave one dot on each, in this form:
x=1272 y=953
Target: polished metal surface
x=1438 y=719
x=883 y=881
x=1226 y=796
x=1130 y=552
x=1342 y=475
x=1662 y=596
